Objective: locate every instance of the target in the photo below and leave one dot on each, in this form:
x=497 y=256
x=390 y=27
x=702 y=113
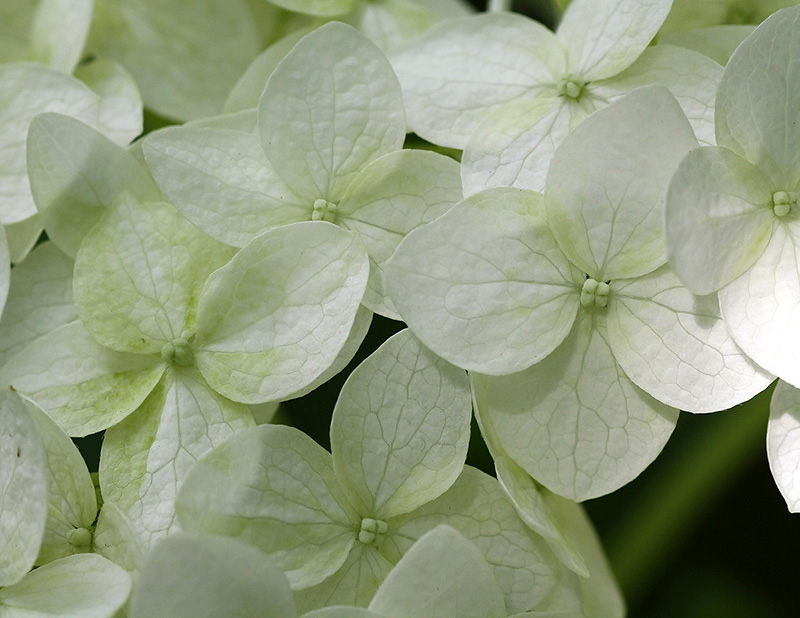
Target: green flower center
x=178 y=352
x=571 y=87
x=372 y=531
x=783 y=202
x=324 y=211
x=79 y=538
x=594 y=293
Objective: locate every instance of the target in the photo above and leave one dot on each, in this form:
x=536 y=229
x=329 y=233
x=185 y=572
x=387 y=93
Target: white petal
x=783 y=443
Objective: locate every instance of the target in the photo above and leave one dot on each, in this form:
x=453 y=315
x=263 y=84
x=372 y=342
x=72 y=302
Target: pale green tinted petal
x=400 y=429
x=783 y=443
x=391 y=23
x=139 y=273
x=184 y=54
x=604 y=37
x=675 y=346
x=691 y=78
x=529 y=500
x=718 y=218
x=600 y=593
x=442 y=574
x=146 y=457
x=39 y=299
x=84 y=386
x=607 y=211
x=716 y=42
x=758 y=98
x=390 y=197
x=358 y=332
x=264 y=412
x=275 y=488
x=574 y=421
x=5 y=269
x=514 y=148
x=72 y=505
x=222 y=182
x=23 y=488
x=482 y=63
x=355 y=583
x=476 y=507
x=59 y=32
x=22 y=237
x=485 y=285
x=331 y=106
x=247 y=91
x=16 y=16
x=323 y=8
x=245 y=121
x=342 y=611
x=760 y=307
x=196 y=577
x=278 y=314
x=25 y=91
x=75 y=174
x=120 y=118
x=84 y=585
x=115 y=539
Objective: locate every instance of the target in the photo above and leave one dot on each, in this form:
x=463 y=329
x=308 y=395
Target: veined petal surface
x=331 y=106
x=486 y=286
x=783 y=443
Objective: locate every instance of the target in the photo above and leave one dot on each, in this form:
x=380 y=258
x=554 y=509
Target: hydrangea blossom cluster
x=616 y=242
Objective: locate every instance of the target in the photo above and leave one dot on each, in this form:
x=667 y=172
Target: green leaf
x=442 y=574
x=23 y=489
x=139 y=273
x=76 y=173
x=719 y=218
x=757 y=98
x=277 y=315
x=120 y=118
x=477 y=508
x=486 y=286
x=675 y=346
x=574 y=421
x=185 y=55
x=496 y=58
x=84 y=585
x=72 y=505
x=28 y=89
x=389 y=198
x=400 y=429
x=83 y=386
x=607 y=212
x=603 y=38
x=331 y=106
x=222 y=182
x=273 y=487
x=145 y=458
x=59 y=32
x=39 y=299
x=783 y=435
x=187 y=577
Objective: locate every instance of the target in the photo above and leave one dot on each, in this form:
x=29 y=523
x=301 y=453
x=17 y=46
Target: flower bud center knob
x=372 y=531
x=571 y=87
x=594 y=293
x=324 y=211
x=79 y=538
x=178 y=352
x=783 y=202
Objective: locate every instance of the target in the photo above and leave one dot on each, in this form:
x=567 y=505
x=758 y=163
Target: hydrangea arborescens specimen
x=732 y=218
x=330 y=128
x=79 y=585
x=399 y=439
x=161 y=332
x=581 y=300
x=507 y=90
